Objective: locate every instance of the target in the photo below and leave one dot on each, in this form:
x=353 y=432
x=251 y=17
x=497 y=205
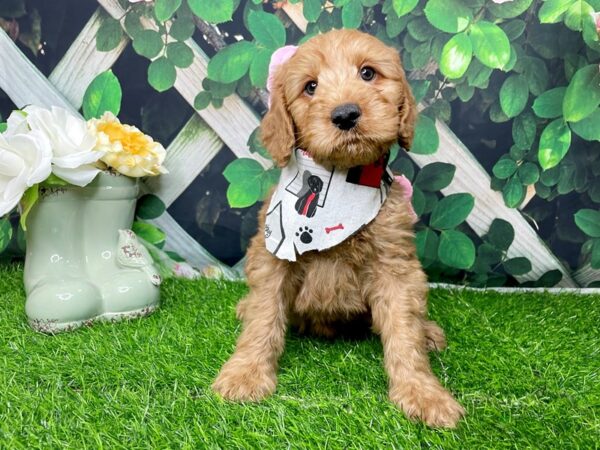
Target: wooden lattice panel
x=210 y=130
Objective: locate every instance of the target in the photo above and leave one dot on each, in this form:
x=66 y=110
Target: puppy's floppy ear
x=407 y=110
x=276 y=129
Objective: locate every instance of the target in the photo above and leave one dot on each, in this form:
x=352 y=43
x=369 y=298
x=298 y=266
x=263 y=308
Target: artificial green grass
x=525 y=366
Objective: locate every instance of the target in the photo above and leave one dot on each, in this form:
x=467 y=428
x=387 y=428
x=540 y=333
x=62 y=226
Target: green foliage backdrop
x=518 y=81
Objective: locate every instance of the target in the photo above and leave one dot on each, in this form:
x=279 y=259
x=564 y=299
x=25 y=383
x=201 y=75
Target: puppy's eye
x=310 y=87
x=367 y=73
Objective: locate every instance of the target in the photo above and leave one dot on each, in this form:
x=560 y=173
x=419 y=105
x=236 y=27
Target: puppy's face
x=343 y=96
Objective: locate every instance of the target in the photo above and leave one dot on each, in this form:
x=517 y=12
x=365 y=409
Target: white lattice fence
x=209 y=130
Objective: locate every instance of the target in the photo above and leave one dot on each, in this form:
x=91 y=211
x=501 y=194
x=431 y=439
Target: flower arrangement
x=53 y=148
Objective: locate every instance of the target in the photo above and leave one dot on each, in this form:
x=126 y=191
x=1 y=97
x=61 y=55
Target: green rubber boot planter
x=83 y=263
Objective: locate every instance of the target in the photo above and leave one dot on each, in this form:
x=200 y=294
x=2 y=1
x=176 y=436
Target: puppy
x=343 y=98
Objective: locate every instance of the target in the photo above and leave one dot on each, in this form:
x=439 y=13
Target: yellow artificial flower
x=128 y=150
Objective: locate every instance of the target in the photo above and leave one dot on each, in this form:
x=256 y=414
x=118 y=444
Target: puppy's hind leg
x=250 y=373
x=397 y=310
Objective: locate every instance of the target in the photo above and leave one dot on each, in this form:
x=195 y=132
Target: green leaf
x=164 y=9
x=148 y=43
x=588 y=221
x=53 y=181
x=549 y=104
x=509 y=9
x=426 y=139
x=528 y=173
x=403 y=7
x=421 y=55
x=465 y=92
x=109 y=34
x=450 y=16
x=312 y=9
x=552 y=10
x=352 y=14
x=243 y=194
x=150 y=207
x=217 y=89
x=421 y=29
x=3 y=127
x=427 y=243
x=182 y=28
x=504 y=168
x=583 y=94
x=500 y=234
x=514 y=94
x=255 y=144
x=419 y=89
x=456 y=56
x=103 y=94
x=29 y=199
x=202 y=100
x=418 y=201
x=395 y=25
x=513 y=192
x=554 y=144
x=451 y=211
x=213 y=11
x=524 y=130
x=242 y=169
x=549 y=279
x=259 y=67
x=232 y=62
x=180 y=54
x=6 y=232
x=517 y=266
x=269 y=178
x=514 y=28
x=595 y=260
x=490 y=44
x=456 y=249
x=497 y=115
x=267 y=29
x=488 y=254
x=478 y=75
x=149 y=233
x=132 y=22
x=435 y=176
x=578 y=14
x=588 y=128
x=161 y=74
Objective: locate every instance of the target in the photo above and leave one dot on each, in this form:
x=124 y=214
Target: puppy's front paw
x=435 y=337
x=432 y=404
x=242 y=381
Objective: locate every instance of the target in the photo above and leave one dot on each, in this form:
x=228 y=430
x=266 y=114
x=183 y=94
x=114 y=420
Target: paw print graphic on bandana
x=305 y=234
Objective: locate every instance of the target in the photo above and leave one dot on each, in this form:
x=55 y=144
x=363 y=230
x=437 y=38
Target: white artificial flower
x=25 y=160
x=16 y=123
x=73 y=145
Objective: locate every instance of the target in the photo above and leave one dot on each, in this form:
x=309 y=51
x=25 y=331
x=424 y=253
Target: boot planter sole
x=53 y=326
x=83 y=262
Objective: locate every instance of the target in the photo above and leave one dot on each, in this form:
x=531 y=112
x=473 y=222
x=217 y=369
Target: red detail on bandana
x=309 y=200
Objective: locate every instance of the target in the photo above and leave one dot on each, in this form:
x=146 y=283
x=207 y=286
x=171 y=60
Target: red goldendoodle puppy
x=344 y=99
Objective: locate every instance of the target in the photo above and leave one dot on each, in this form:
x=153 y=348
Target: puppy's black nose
x=345 y=116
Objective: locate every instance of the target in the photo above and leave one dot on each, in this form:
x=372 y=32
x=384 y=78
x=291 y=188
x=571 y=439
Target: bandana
x=316 y=207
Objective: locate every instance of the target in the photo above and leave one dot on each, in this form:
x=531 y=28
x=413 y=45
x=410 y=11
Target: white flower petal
x=8 y=204
x=75 y=160
x=80 y=176
x=16 y=123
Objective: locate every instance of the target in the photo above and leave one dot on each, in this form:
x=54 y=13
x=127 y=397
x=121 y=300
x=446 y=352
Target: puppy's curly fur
x=375 y=275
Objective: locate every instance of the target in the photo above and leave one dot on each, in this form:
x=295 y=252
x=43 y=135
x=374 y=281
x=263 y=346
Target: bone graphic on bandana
x=337 y=227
